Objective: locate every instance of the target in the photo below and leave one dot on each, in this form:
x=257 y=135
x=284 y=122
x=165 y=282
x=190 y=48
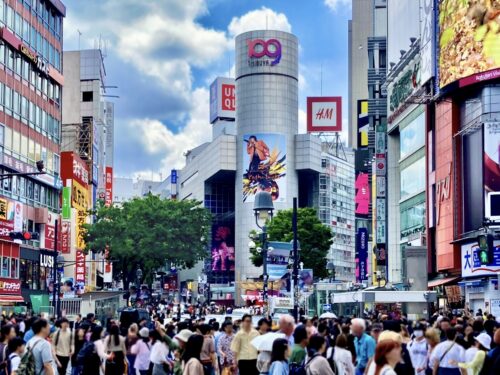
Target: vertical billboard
x=469 y=42
x=363 y=123
x=108 y=198
x=66 y=203
x=222 y=249
x=361 y=254
x=362 y=198
x=80 y=271
x=222 y=99
x=491 y=167
x=324 y=114
x=265 y=157
x=65 y=236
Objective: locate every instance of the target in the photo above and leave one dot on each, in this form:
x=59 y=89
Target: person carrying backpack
x=38 y=359
x=316 y=364
x=16 y=350
x=63 y=346
x=88 y=358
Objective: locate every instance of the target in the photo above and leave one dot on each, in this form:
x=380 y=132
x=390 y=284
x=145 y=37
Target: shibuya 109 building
x=255 y=146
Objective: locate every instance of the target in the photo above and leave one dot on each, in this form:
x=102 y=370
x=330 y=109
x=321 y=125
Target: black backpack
x=332 y=363
x=85 y=353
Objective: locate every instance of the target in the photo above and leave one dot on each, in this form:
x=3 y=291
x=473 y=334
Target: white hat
x=184 y=335
x=484 y=339
x=144 y=332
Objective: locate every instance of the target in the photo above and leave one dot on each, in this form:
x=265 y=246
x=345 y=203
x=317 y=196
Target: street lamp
x=263 y=210
x=330 y=267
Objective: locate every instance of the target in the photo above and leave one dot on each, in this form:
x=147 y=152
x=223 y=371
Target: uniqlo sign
x=222 y=100
x=228 y=98
x=324 y=114
x=80 y=267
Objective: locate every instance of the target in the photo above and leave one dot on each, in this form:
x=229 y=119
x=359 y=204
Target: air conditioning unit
x=493 y=206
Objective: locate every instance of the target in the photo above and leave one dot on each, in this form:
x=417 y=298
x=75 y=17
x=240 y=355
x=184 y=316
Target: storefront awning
x=10 y=299
x=437 y=282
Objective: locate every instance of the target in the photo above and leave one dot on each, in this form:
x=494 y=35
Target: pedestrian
x=142 y=351
x=474 y=366
x=62 y=346
x=342 y=356
x=78 y=343
x=41 y=349
x=387 y=356
x=245 y=353
x=7 y=333
x=16 y=350
x=492 y=361
x=263 y=326
x=132 y=338
x=279 y=358
x=446 y=355
x=89 y=357
x=191 y=362
x=178 y=346
x=316 y=363
x=159 y=355
x=287 y=326
x=365 y=345
x=228 y=365
x=419 y=350
x=207 y=355
x=299 y=353
x=114 y=345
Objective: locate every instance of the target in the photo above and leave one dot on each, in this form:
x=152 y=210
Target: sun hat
x=144 y=332
x=184 y=335
x=484 y=339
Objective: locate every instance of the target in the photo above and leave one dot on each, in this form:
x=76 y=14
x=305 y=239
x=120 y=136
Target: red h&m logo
x=228 y=99
x=324 y=114
x=258 y=48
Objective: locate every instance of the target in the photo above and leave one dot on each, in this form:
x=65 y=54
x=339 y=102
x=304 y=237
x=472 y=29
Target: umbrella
x=265 y=342
x=328 y=315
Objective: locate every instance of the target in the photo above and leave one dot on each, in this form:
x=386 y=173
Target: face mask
x=418 y=333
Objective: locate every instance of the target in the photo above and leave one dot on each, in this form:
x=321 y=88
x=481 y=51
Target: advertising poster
x=363 y=123
x=468 y=41
x=50 y=231
x=264 y=163
x=362 y=198
x=65 y=236
x=66 y=203
x=492 y=156
x=471 y=264
x=80 y=269
x=222 y=247
x=306 y=280
x=108 y=200
x=81 y=219
x=362 y=254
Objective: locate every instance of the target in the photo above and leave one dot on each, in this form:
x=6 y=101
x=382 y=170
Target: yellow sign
x=79 y=196
x=81 y=219
x=30 y=55
x=4 y=205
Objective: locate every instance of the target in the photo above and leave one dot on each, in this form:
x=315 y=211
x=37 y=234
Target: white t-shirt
x=455 y=353
x=15 y=360
x=419 y=351
x=159 y=353
x=386 y=370
x=343 y=360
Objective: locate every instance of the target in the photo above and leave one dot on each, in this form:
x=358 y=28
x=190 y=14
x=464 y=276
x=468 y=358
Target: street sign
x=327 y=307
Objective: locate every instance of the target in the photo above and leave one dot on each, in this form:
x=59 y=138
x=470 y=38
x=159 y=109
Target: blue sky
x=163 y=54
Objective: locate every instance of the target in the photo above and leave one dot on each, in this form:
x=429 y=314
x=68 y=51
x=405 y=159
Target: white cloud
x=333 y=4
x=259 y=19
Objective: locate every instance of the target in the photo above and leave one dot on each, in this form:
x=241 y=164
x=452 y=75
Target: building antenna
x=79 y=38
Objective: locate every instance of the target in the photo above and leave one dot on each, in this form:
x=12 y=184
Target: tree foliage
x=148 y=232
x=315 y=238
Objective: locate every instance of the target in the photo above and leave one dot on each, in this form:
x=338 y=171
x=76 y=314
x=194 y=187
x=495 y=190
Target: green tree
x=315 y=238
x=148 y=232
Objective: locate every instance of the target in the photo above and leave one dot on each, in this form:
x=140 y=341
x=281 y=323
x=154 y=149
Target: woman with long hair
x=191 y=362
x=387 y=356
x=279 y=358
x=132 y=338
x=159 y=355
x=79 y=341
x=116 y=350
x=92 y=363
x=317 y=364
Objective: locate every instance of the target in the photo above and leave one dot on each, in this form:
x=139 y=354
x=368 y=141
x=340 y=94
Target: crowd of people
x=381 y=345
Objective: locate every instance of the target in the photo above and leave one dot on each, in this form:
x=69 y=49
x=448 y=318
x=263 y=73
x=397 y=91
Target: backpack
x=85 y=353
x=332 y=363
x=28 y=363
x=301 y=369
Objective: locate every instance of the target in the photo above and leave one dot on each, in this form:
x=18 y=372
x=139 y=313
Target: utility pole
x=295 y=274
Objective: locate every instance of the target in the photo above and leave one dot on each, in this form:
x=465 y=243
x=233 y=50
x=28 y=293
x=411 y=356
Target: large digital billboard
x=264 y=160
x=469 y=41
x=222 y=251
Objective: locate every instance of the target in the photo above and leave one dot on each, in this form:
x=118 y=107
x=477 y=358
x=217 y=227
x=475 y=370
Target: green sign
x=404 y=87
x=66 y=203
x=38 y=301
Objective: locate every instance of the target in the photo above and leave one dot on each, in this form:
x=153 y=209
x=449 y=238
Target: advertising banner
x=65 y=236
x=79 y=196
x=6 y=226
x=381 y=209
x=50 y=231
x=222 y=99
x=491 y=157
x=74 y=168
x=4 y=206
x=223 y=247
x=362 y=198
x=10 y=286
x=66 y=203
x=363 y=123
x=468 y=42
x=108 y=200
x=23 y=167
x=380 y=165
x=381 y=191
x=81 y=219
x=471 y=264
x=362 y=254
x=380 y=254
x=276 y=271
x=265 y=154
x=427 y=40
x=324 y=114
x=306 y=280
x=80 y=267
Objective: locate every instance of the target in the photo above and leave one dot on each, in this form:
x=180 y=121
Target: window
x=33 y=37
x=24 y=146
x=2 y=19
x=26 y=70
x=19 y=25
x=16 y=106
x=38 y=152
x=26 y=31
x=8 y=138
x=16 y=142
x=31 y=150
x=2 y=53
x=8 y=97
x=87 y=96
x=14 y=268
x=10 y=18
x=56 y=164
x=412 y=136
x=5 y=267
x=413 y=178
x=24 y=107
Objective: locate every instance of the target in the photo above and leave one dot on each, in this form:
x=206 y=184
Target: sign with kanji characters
x=66 y=236
x=80 y=270
x=79 y=196
x=81 y=219
x=4 y=205
x=66 y=203
x=50 y=231
x=108 y=198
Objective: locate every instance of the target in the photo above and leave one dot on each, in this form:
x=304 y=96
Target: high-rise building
x=87 y=142
x=31 y=81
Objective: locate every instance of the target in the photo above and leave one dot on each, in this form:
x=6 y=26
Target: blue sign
x=276 y=271
x=327 y=307
x=173 y=176
x=362 y=254
x=471 y=264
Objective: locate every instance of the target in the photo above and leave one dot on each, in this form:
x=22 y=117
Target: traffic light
x=486 y=248
x=24 y=236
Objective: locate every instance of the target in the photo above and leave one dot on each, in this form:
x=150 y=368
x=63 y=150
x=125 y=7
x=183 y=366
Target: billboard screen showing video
x=469 y=41
x=222 y=250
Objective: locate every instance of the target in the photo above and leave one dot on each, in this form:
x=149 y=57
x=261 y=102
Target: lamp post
x=263 y=210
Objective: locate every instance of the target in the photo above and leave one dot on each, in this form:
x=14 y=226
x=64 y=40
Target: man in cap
x=419 y=350
x=179 y=345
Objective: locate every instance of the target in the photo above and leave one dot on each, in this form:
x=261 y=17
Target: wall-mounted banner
x=380 y=185
x=362 y=198
x=471 y=264
x=79 y=196
x=264 y=163
x=362 y=254
x=65 y=236
x=66 y=203
x=108 y=200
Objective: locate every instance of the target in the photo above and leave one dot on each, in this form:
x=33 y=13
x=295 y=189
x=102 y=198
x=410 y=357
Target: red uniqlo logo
x=228 y=103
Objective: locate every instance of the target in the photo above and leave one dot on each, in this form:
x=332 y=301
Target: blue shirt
x=29 y=335
x=365 y=349
x=279 y=368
